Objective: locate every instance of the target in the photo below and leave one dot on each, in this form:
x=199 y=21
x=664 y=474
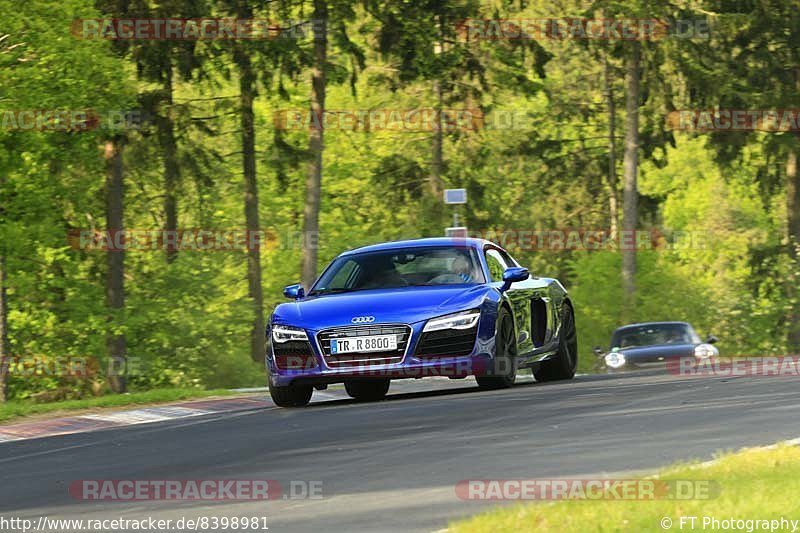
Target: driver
x=677 y=337
x=462 y=268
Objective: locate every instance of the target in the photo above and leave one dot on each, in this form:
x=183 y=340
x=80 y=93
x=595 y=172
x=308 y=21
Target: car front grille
x=324 y=337
x=293 y=355
x=447 y=343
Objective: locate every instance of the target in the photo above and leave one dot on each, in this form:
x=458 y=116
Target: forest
x=167 y=167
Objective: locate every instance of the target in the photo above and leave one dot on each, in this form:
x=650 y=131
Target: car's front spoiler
x=411 y=368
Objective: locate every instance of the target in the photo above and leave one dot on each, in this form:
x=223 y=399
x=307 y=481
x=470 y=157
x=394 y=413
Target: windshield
x=654 y=335
x=405 y=267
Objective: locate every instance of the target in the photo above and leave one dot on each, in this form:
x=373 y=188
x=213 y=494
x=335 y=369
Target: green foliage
x=186 y=322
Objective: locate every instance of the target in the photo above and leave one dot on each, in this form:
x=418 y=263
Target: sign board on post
x=459 y=232
x=455 y=196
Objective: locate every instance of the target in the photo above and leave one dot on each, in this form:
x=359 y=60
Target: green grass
x=14 y=410
x=754 y=484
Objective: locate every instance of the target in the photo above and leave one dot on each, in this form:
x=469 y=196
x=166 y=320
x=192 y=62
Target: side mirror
x=295 y=292
x=598 y=351
x=711 y=339
x=513 y=275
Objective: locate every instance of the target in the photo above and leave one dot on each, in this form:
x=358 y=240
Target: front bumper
x=479 y=361
x=671 y=365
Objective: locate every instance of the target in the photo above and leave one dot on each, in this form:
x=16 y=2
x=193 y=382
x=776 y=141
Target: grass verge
x=15 y=410
x=757 y=484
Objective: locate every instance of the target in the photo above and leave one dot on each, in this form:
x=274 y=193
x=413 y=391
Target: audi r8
x=450 y=307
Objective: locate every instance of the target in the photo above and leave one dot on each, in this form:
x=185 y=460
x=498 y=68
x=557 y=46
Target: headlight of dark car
x=704 y=351
x=615 y=359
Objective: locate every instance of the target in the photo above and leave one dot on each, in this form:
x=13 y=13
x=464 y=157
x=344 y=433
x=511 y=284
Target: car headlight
x=704 y=351
x=615 y=359
x=288 y=333
x=463 y=320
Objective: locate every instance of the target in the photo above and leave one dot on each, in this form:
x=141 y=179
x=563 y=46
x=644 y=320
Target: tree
x=432 y=44
x=613 y=197
x=272 y=59
x=247 y=95
x=751 y=63
x=631 y=169
x=42 y=162
x=315 y=144
x=4 y=354
x=115 y=285
x=329 y=21
x=161 y=61
x=4 y=347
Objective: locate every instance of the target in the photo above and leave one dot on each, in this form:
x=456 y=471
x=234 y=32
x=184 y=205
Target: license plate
x=372 y=343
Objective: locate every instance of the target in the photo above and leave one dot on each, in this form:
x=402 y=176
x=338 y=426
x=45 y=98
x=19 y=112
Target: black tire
x=504 y=373
x=564 y=364
x=367 y=390
x=291 y=395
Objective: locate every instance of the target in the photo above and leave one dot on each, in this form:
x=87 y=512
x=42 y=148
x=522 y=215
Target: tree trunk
x=437 y=159
x=435 y=185
x=115 y=283
x=247 y=80
x=793 y=229
x=630 y=170
x=315 y=147
x=4 y=355
x=169 y=147
x=613 y=198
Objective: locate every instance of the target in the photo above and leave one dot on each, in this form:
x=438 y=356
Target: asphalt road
x=393 y=465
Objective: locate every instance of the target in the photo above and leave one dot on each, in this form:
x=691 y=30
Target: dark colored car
x=654 y=344
x=411 y=309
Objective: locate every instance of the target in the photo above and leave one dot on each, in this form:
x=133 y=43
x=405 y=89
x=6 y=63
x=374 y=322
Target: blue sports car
x=430 y=307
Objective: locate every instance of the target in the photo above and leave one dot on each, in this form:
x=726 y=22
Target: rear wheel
x=367 y=390
x=563 y=365
x=504 y=373
x=291 y=395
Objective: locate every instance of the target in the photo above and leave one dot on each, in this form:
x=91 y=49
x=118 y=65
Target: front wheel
x=504 y=373
x=367 y=390
x=565 y=362
x=291 y=395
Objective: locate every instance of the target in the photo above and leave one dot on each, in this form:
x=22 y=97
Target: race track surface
x=393 y=465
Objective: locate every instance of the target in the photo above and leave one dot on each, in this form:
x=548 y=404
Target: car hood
x=405 y=305
x=643 y=354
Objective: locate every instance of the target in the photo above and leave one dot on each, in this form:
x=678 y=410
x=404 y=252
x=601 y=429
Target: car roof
x=422 y=243
x=663 y=323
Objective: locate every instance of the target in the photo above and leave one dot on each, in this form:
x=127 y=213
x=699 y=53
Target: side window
x=508 y=260
x=496 y=263
x=344 y=278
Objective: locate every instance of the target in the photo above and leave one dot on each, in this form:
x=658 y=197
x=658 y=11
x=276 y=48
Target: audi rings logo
x=363 y=319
